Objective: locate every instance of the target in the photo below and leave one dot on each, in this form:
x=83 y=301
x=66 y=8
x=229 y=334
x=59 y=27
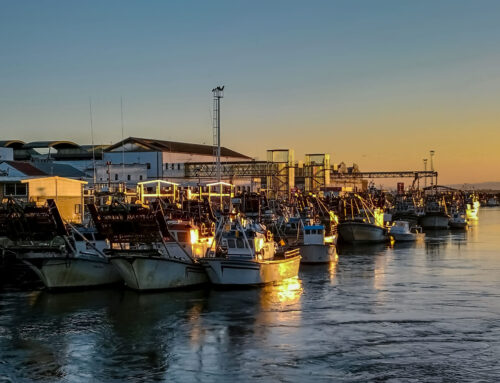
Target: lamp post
x=425 y=169
x=432 y=166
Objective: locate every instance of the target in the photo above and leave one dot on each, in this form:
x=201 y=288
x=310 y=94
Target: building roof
x=61 y=170
x=150 y=145
x=52 y=178
x=15 y=144
x=51 y=144
x=25 y=168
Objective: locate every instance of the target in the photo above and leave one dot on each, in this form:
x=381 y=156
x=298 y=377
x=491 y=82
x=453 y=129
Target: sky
x=376 y=83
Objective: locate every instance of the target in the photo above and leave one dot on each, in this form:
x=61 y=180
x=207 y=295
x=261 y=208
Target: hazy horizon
x=373 y=83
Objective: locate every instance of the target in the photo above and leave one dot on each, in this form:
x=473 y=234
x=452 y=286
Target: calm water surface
x=426 y=312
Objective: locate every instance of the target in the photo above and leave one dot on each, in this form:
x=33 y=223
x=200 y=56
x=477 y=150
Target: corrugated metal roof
x=61 y=170
x=11 y=143
x=50 y=144
x=25 y=168
x=150 y=145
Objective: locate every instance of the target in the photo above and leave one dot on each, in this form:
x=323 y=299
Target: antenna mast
x=218 y=94
x=123 y=146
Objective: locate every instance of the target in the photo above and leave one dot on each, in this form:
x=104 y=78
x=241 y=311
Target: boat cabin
x=314 y=235
x=252 y=244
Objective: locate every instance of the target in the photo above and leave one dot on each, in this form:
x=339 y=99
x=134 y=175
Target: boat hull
x=157 y=273
x=361 y=232
x=242 y=272
x=317 y=253
x=457 y=225
x=404 y=237
x=434 y=221
x=61 y=272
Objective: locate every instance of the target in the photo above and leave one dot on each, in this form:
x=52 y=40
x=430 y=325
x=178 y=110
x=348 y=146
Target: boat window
x=239 y=243
x=313 y=231
x=308 y=231
x=293 y=225
x=182 y=236
x=231 y=244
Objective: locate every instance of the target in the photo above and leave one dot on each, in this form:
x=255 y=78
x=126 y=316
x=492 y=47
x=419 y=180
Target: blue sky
x=374 y=82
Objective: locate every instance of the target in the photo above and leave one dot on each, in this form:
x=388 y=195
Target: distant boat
x=458 y=220
x=400 y=231
x=472 y=207
x=492 y=202
x=435 y=217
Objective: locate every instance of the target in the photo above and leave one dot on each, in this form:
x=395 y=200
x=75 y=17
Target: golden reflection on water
x=280 y=303
x=332 y=268
x=194 y=315
x=286 y=292
x=33 y=297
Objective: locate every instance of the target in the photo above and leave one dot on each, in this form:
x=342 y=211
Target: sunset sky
x=378 y=83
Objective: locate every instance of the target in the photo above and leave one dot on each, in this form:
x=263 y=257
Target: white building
x=165 y=159
x=127 y=173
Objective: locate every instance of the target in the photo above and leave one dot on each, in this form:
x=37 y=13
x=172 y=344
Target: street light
x=432 y=166
x=425 y=169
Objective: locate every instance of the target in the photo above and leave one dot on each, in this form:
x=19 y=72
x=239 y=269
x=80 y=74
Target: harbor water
x=421 y=312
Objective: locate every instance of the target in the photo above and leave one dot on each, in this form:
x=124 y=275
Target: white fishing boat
x=245 y=254
x=316 y=247
x=149 y=253
x=64 y=257
x=70 y=263
x=400 y=231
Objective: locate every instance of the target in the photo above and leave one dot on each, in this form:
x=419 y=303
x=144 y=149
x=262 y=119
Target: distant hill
x=478 y=186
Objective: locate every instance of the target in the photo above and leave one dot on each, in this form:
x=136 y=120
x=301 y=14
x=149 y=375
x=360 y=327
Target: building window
x=166 y=166
x=15 y=189
x=116 y=177
x=21 y=189
x=173 y=166
x=128 y=177
x=9 y=189
x=78 y=209
x=140 y=177
x=178 y=166
x=148 y=165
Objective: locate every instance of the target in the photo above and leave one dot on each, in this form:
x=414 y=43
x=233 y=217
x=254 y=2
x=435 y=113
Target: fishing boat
x=492 y=202
x=149 y=253
x=472 y=207
x=364 y=224
x=458 y=220
x=62 y=256
x=316 y=247
x=435 y=216
x=400 y=231
x=245 y=254
x=358 y=230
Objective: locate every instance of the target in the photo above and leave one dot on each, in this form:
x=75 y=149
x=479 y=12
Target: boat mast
x=93 y=147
